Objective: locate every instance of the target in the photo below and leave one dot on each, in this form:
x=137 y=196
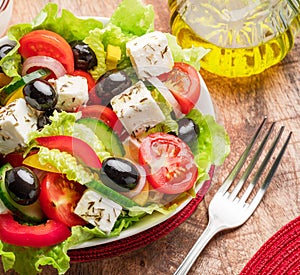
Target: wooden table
x=241 y=105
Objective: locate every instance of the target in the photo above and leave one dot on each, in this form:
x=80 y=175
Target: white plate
x=205 y=105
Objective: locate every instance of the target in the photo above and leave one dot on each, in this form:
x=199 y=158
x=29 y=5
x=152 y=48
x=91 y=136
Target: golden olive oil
x=238 y=47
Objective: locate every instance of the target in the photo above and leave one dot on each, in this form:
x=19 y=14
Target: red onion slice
x=45 y=62
x=166 y=94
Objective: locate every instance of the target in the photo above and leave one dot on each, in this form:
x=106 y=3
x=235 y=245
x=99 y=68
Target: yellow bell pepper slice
x=33 y=161
x=16 y=94
x=113 y=55
x=142 y=197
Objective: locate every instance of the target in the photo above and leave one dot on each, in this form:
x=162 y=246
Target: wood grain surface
x=241 y=104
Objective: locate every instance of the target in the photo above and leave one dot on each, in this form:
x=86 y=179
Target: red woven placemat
x=141 y=239
x=280 y=255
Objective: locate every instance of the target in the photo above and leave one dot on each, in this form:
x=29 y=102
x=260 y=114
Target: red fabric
x=280 y=255
x=142 y=239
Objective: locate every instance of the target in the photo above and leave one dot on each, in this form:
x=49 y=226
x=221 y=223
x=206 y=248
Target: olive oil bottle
x=245 y=37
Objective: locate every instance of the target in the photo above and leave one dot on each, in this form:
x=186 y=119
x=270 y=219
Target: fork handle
x=193 y=254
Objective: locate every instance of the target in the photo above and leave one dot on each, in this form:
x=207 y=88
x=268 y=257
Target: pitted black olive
x=4 y=50
x=40 y=95
x=187 y=130
x=119 y=174
x=84 y=57
x=22 y=185
x=110 y=84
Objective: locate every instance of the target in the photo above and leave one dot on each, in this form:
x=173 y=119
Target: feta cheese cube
x=150 y=54
x=17 y=120
x=97 y=210
x=72 y=92
x=137 y=109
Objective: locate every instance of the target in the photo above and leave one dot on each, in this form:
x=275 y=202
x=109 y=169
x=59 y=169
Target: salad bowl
x=205 y=105
x=147 y=222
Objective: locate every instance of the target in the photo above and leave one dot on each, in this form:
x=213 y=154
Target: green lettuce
x=190 y=56
x=63 y=123
x=65 y=24
x=133 y=17
x=212 y=145
x=28 y=260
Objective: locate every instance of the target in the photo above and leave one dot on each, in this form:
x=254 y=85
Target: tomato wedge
x=184 y=83
x=50 y=233
x=59 y=197
x=169 y=163
x=47 y=43
x=104 y=114
x=75 y=146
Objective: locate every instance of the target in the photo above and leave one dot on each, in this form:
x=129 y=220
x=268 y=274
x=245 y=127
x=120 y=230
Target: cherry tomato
x=104 y=114
x=47 y=43
x=59 y=197
x=169 y=163
x=50 y=233
x=184 y=83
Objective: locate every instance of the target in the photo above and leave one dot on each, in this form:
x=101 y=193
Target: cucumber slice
x=109 y=138
x=29 y=213
x=111 y=194
x=7 y=91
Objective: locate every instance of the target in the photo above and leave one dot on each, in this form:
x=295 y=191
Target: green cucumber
x=109 y=138
x=7 y=91
x=111 y=194
x=29 y=213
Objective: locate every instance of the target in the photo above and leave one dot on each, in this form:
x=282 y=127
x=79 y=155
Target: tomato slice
x=50 y=233
x=105 y=114
x=47 y=43
x=59 y=197
x=75 y=146
x=184 y=83
x=169 y=163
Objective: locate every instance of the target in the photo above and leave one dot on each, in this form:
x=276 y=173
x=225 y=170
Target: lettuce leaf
x=134 y=17
x=213 y=144
x=28 y=260
x=66 y=24
x=63 y=123
x=190 y=56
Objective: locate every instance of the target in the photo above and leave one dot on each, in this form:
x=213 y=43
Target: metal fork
x=226 y=209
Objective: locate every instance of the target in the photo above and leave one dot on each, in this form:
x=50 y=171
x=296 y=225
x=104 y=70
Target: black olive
x=119 y=174
x=39 y=94
x=84 y=57
x=44 y=118
x=110 y=84
x=4 y=50
x=187 y=130
x=22 y=185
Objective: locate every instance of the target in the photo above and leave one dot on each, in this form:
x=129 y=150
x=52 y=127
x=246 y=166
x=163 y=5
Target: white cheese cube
x=17 y=120
x=150 y=54
x=72 y=92
x=137 y=109
x=97 y=210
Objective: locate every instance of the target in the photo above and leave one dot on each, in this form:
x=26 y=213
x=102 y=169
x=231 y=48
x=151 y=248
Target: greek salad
x=98 y=129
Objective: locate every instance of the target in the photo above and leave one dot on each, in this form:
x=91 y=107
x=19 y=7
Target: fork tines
x=233 y=175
